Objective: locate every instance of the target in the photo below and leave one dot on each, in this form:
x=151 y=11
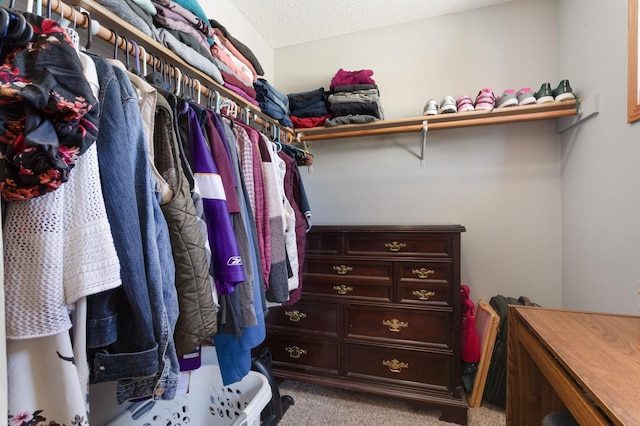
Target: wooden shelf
x=443 y=121
x=208 y=86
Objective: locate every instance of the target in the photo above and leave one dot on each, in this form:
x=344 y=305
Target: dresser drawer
x=421 y=369
x=345 y=290
x=398 y=244
x=308 y=354
x=424 y=283
x=323 y=243
x=308 y=316
x=347 y=278
x=347 y=269
x=408 y=326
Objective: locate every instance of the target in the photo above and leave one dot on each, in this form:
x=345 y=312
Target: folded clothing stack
x=308 y=109
x=182 y=26
x=272 y=102
x=354 y=99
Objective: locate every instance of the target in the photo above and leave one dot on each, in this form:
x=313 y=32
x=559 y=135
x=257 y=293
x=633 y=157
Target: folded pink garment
x=241 y=92
x=344 y=78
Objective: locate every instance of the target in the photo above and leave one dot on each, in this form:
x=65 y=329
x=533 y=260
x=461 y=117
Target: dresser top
x=389 y=228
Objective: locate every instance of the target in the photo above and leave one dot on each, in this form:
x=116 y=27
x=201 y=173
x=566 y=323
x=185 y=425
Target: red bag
x=470 y=340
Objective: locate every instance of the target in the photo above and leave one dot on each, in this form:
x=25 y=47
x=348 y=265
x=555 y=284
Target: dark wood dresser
x=380 y=313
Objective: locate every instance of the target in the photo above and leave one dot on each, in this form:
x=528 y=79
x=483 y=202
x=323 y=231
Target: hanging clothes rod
x=123 y=36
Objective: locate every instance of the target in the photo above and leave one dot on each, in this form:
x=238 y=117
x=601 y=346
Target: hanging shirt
x=225 y=255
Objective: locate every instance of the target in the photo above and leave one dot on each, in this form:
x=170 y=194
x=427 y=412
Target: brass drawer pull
x=395 y=246
x=295 y=352
x=394 y=365
x=395 y=325
x=295 y=316
x=342 y=289
x=423 y=294
x=342 y=269
x=423 y=273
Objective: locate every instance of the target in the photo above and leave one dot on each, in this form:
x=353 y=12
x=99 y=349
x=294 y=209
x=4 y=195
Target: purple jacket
x=225 y=254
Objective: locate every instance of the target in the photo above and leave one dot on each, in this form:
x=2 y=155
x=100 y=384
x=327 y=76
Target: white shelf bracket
x=589 y=107
x=425 y=129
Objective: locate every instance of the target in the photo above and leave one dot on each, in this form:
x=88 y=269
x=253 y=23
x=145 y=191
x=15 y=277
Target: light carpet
x=320 y=405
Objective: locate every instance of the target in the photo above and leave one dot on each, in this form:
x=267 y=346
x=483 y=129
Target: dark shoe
x=563 y=92
x=544 y=95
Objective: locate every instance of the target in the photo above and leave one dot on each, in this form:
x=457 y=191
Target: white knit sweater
x=57 y=249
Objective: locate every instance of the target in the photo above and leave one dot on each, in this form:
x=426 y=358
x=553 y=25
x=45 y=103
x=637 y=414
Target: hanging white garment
x=58 y=249
x=289 y=217
x=3 y=346
x=44 y=382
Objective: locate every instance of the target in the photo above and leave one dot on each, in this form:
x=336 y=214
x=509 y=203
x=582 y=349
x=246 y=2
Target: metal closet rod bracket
x=425 y=129
x=586 y=108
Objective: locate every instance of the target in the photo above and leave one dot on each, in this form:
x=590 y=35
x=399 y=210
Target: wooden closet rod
x=111 y=25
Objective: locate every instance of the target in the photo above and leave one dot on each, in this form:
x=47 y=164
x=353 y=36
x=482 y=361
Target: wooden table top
x=600 y=351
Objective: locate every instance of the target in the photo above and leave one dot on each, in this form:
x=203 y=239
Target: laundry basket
x=207 y=403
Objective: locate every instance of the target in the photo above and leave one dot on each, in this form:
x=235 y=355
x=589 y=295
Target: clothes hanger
x=115 y=44
x=210 y=100
x=136 y=56
x=126 y=52
x=178 y=80
x=17 y=31
x=231 y=108
x=187 y=86
x=4 y=21
x=144 y=60
x=163 y=75
x=16 y=26
x=199 y=90
x=275 y=137
x=90 y=28
x=218 y=107
x=184 y=87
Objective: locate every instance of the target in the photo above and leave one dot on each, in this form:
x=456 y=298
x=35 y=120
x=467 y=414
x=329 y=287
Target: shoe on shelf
x=544 y=95
x=464 y=104
x=447 y=105
x=507 y=99
x=485 y=100
x=431 y=107
x=563 y=92
x=525 y=96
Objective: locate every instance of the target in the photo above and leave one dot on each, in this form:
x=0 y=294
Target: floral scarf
x=48 y=115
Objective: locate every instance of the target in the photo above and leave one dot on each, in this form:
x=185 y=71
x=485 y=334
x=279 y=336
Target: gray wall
x=600 y=173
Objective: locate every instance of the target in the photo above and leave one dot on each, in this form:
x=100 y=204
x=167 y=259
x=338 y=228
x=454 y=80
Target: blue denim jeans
x=142 y=356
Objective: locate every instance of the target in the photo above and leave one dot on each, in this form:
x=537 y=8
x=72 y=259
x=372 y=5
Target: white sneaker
x=447 y=105
x=431 y=108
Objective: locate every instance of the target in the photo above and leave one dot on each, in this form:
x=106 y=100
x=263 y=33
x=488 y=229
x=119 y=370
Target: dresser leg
x=454 y=415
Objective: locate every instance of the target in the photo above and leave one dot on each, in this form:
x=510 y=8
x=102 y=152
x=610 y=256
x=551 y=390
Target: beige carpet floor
x=319 y=405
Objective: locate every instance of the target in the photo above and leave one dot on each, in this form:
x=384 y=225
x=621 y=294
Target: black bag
x=495 y=390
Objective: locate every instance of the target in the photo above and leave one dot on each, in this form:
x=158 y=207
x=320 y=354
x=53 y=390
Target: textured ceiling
x=287 y=22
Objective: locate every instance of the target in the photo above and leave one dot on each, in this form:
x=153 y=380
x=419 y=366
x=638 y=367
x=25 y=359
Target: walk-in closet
x=332 y=213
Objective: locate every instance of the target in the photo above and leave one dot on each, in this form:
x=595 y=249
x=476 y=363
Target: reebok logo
x=234 y=261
